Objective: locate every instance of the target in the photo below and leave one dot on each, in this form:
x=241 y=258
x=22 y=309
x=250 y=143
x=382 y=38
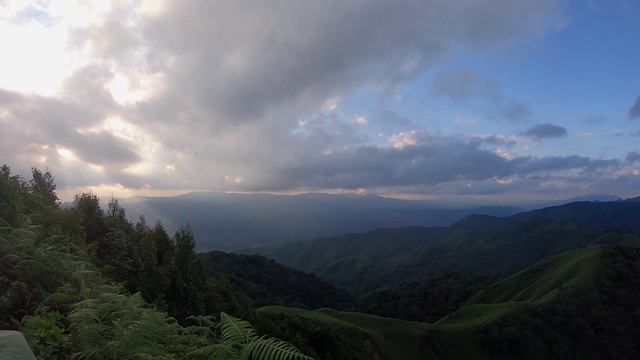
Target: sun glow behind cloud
x=33 y=57
x=66 y=154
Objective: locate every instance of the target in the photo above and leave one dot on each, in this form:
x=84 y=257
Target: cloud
x=634 y=112
x=255 y=59
x=547 y=130
x=632 y=157
x=423 y=158
x=466 y=85
x=62 y=125
x=101 y=148
x=253 y=96
x=64 y=136
x=530 y=165
x=429 y=161
x=595 y=119
x=360 y=120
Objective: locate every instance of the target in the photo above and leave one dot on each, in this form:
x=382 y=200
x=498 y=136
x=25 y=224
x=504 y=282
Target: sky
x=495 y=100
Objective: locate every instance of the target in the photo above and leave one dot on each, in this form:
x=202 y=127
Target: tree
x=164 y=245
x=93 y=220
x=189 y=286
x=10 y=195
x=116 y=218
x=40 y=191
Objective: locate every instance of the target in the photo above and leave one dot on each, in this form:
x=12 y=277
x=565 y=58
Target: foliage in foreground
x=67 y=309
x=82 y=284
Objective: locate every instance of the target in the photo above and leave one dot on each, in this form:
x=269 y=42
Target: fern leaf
x=235 y=331
x=271 y=349
x=216 y=351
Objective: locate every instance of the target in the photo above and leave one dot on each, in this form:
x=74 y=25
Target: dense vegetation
x=426 y=300
x=477 y=245
x=582 y=304
x=87 y=284
x=269 y=283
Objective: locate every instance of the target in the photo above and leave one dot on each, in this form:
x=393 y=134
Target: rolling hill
x=476 y=245
x=580 y=304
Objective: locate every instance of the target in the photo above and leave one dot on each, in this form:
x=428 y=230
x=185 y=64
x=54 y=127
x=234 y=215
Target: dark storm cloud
x=634 y=112
x=548 y=130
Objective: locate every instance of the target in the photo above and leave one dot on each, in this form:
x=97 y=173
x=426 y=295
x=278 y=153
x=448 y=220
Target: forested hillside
x=477 y=245
x=87 y=284
x=579 y=305
x=269 y=283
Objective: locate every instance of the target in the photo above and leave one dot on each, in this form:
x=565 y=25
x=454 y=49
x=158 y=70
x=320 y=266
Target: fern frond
x=215 y=352
x=4 y=224
x=271 y=349
x=235 y=331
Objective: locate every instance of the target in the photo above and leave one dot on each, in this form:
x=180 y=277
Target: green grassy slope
x=330 y=334
x=572 y=271
x=426 y=300
x=580 y=304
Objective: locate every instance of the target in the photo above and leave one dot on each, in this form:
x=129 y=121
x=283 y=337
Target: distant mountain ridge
x=588 y=197
x=475 y=245
x=232 y=221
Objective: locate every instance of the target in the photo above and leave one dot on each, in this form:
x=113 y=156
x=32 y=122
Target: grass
x=455 y=336
x=393 y=339
x=540 y=283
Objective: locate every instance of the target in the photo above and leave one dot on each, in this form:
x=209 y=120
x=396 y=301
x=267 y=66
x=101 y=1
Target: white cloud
x=331 y=104
x=586 y=134
x=360 y=120
x=403 y=139
x=505 y=154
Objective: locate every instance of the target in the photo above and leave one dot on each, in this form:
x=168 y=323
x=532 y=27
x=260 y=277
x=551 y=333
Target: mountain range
x=478 y=244
x=560 y=282
x=231 y=221
x=581 y=304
